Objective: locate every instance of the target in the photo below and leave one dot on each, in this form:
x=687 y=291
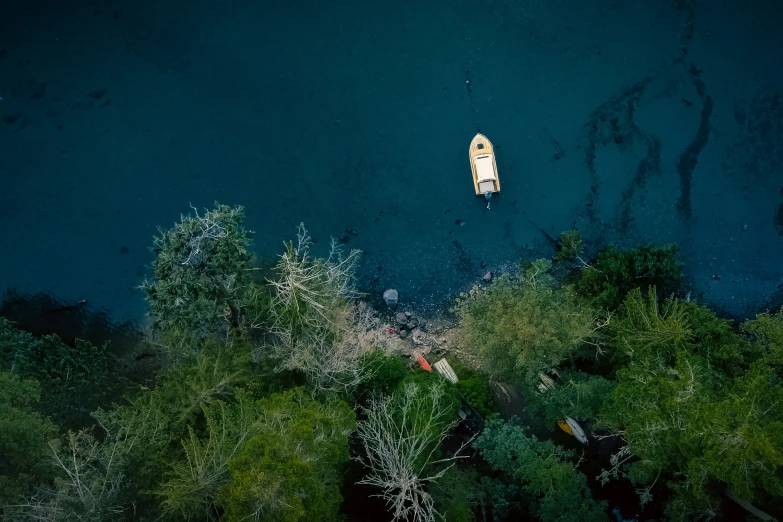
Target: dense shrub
x=385 y=373
x=473 y=387
x=477 y=393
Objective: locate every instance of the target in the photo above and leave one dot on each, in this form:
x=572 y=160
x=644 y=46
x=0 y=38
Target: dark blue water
x=636 y=122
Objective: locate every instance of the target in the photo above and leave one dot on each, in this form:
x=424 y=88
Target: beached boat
x=572 y=427
x=484 y=167
x=444 y=368
x=546 y=382
x=568 y=424
x=423 y=362
x=750 y=508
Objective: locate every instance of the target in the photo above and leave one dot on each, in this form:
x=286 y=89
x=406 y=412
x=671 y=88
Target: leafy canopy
x=576 y=394
x=289 y=470
x=766 y=331
x=201 y=283
x=520 y=326
x=541 y=470
x=693 y=405
x=614 y=273
x=24 y=433
x=74 y=379
x=569 y=246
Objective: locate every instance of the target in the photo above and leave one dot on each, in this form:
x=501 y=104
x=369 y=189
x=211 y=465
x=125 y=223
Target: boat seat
x=486 y=186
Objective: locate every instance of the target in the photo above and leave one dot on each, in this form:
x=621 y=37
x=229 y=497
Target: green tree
x=645 y=331
x=290 y=469
x=767 y=333
x=24 y=434
x=464 y=495
x=200 y=381
x=541 y=469
x=201 y=283
x=718 y=341
x=193 y=483
x=694 y=409
x=457 y=494
x=75 y=379
x=614 y=273
x=520 y=326
x=743 y=443
x=577 y=395
x=384 y=373
x=646 y=328
x=143 y=432
x=655 y=399
x=569 y=246
x=695 y=430
x=14 y=345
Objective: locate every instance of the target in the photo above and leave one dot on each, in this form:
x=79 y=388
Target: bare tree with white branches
x=92 y=471
x=400 y=435
x=332 y=358
x=306 y=286
x=319 y=329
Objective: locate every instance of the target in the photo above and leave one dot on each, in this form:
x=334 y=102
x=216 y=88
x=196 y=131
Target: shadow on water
x=42 y=313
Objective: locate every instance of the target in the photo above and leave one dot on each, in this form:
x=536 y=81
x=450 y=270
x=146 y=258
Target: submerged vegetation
x=278 y=394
